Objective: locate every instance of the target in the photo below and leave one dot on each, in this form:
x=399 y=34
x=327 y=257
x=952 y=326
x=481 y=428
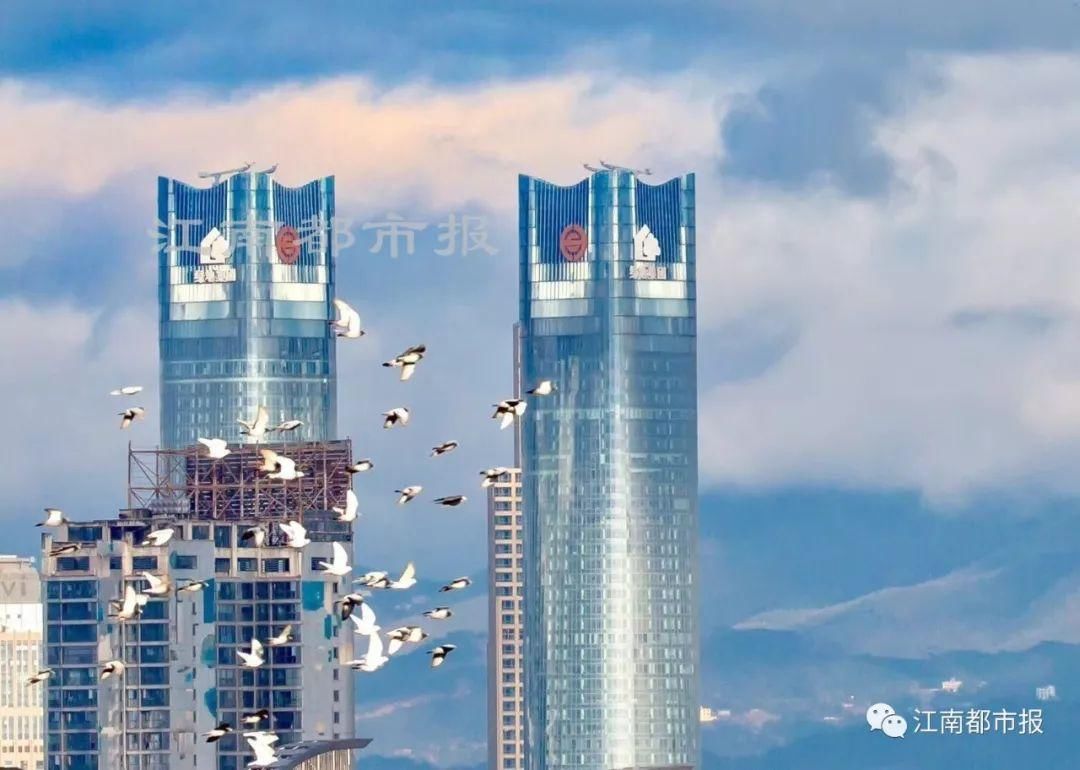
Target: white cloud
x=930 y=337
x=67 y=449
x=438 y=146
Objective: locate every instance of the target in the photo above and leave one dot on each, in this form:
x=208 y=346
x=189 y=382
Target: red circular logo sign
x=287 y=242
x=573 y=243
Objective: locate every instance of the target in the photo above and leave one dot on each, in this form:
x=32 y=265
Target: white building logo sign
x=214 y=255
x=646 y=250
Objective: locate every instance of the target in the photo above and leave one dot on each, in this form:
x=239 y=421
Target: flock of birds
x=353 y=606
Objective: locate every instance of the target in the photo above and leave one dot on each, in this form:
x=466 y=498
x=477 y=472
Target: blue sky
x=888 y=295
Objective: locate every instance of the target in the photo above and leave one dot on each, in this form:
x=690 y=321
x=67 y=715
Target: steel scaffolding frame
x=186 y=483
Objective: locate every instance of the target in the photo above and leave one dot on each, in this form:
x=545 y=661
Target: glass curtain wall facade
x=246 y=282
x=609 y=465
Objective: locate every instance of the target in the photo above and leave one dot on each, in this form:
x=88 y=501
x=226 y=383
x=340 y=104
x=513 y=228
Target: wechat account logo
x=883 y=717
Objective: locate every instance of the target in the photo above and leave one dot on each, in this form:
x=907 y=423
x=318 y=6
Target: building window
x=222 y=566
x=276 y=565
x=245 y=564
x=223 y=536
x=144 y=563
x=200 y=532
x=116 y=563
x=83 y=534
x=73 y=564
x=185 y=562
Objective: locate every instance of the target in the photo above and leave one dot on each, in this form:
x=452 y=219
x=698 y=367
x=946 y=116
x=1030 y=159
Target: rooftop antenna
x=636 y=171
x=216 y=175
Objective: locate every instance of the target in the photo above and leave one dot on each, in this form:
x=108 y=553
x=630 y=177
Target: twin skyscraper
x=594 y=645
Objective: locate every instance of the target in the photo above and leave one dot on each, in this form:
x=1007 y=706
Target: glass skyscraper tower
x=246 y=278
x=609 y=469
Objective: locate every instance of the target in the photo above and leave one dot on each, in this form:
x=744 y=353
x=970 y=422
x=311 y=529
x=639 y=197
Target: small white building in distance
x=706 y=714
x=952 y=685
x=1049 y=692
x=22 y=708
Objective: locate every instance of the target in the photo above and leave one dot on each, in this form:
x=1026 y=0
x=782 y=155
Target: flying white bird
x=269 y=462
x=399 y=415
x=340 y=565
x=438 y=655
x=352 y=505
x=288 y=425
x=262 y=736
x=286 y=470
x=407 y=360
x=506 y=411
x=347 y=323
x=264 y=753
x=408 y=493
x=128 y=416
x=65 y=549
x=284 y=637
x=54 y=517
x=545 y=388
x=360 y=466
x=407 y=579
x=452 y=501
x=443 y=448
x=193 y=587
x=348 y=603
x=255 y=658
x=254 y=717
x=216 y=448
x=374 y=659
x=456 y=584
x=112 y=668
x=256 y=533
x=281 y=467
x=296 y=533
x=399 y=636
x=127 y=390
x=256 y=428
x=365 y=620
x=491 y=475
x=132 y=604
x=40 y=676
x=370 y=577
x=439 y=613
x=159 y=536
x=218 y=732
x=159 y=586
